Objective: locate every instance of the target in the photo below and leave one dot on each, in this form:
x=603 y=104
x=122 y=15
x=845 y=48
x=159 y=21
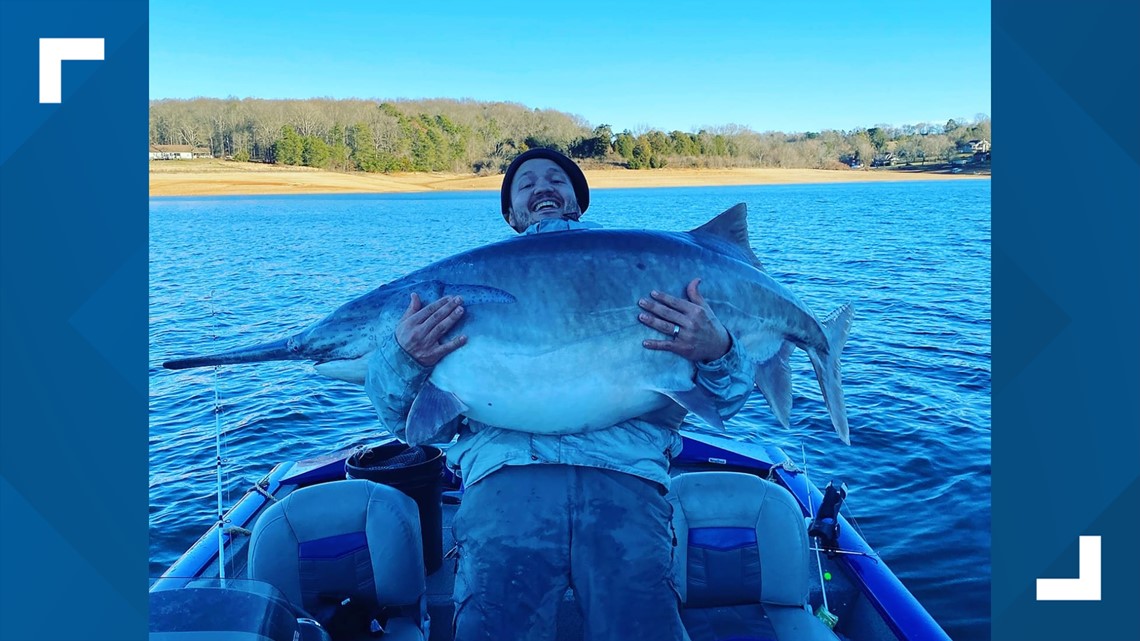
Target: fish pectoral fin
x=774 y=380
x=430 y=291
x=432 y=418
x=699 y=402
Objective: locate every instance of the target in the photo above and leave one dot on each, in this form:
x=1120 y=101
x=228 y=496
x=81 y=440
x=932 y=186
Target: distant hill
x=482 y=137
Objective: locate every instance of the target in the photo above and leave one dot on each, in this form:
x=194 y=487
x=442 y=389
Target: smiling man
x=542 y=184
x=544 y=512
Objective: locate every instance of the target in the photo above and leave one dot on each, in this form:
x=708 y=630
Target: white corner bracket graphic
x=1086 y=587
x=53 y=51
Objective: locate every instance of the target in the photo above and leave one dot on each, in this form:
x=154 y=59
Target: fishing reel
x=825 y=525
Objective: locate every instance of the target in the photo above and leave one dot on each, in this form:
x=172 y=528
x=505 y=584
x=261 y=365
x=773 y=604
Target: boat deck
x=870 y=602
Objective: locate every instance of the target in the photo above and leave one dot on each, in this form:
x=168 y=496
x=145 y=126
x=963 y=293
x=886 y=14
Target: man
x=544 y=512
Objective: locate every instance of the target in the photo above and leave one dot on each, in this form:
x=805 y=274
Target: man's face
x=541 y=190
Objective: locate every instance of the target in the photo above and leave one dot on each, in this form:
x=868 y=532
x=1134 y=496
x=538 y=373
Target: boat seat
x=356 y=540
x=742 y=560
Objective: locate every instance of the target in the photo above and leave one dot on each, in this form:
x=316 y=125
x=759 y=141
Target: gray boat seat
x=742 y=560
x=354 y=539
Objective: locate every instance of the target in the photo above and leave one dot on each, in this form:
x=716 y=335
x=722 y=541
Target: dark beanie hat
x=577 y=178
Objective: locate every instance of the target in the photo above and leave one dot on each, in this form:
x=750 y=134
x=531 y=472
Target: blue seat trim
x=333 y=547
x=722 y=538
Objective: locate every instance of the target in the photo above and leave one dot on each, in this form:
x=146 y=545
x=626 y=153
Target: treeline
x=482 y=137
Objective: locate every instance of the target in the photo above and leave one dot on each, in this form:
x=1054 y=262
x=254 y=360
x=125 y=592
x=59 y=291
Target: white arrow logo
x=53 y=51
x=1086 y=587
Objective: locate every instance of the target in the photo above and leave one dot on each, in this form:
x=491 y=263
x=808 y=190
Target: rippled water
x=914 y=258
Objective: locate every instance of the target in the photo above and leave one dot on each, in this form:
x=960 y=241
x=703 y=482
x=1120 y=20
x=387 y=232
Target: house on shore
x=178 y=152
x=887 y=159
x=974 y=147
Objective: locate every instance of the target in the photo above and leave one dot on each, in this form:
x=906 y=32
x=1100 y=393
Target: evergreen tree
x=642 y=154
x=684 y=144
x=597 y=145
x=289 y=147
x=339 y=153
x=363 y=148
x=624 y=144
x=659 y=143
x=315 y=152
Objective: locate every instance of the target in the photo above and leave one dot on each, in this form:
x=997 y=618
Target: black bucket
x=415 y=471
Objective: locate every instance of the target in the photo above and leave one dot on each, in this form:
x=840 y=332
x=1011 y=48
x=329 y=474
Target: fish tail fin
x=279 y=350
x=835 y=329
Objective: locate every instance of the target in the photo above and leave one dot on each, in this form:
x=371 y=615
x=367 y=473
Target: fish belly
x=562 y=391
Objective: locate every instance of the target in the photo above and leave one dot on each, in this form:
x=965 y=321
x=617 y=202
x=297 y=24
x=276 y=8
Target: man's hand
x=421 y=328
x=693 y=330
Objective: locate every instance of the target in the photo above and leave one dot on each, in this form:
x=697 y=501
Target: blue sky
x=783 y=66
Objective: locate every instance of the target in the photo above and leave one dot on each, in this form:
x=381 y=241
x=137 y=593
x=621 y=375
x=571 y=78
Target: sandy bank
x=219 y=178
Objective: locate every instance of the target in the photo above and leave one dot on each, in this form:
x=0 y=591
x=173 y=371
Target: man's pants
x=527 y=532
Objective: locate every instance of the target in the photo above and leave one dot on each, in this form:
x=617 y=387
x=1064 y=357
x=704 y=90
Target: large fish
x=554 y=342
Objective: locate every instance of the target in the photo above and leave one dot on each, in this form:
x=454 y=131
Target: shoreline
x=209 y=177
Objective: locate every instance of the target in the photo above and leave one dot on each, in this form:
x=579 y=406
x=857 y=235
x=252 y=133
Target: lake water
x=913 y=258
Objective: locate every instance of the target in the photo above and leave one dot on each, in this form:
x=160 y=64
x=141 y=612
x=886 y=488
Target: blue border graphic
x=1066 y=299
x=73 y=251
x=1066 y=241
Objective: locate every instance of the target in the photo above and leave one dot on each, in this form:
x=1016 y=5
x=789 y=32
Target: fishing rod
x=823 y=614
x=828 y=513
x=218 y=460
x=872 y=556
x=218 y=474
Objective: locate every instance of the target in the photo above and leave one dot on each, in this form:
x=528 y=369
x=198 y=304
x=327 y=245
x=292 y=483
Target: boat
x=829 y=582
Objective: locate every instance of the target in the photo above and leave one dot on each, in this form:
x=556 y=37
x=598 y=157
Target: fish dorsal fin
x=732 y=225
